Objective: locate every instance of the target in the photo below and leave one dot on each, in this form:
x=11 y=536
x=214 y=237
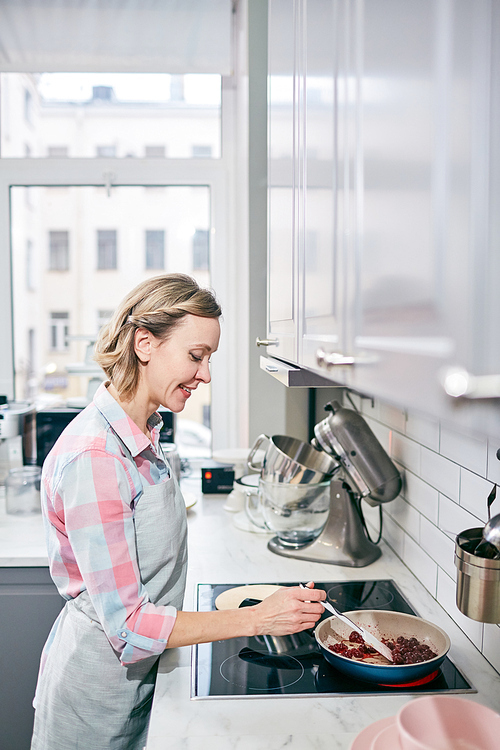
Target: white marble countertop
x=221 y=553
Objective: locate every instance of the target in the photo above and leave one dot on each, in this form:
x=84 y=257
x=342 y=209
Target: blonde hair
x=158 y=305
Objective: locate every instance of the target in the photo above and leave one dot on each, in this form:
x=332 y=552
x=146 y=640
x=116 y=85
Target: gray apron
x=86 y=699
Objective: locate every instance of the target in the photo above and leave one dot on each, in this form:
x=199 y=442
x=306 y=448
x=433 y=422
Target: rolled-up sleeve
x=92 y=512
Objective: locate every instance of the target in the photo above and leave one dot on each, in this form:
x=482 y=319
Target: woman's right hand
x=287 y=611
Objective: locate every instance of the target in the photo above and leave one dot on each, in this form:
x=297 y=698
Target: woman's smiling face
x=176 y=367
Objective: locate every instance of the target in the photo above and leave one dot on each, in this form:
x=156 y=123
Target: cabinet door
x=29 y=604
x=283 y=94
x=323 y=232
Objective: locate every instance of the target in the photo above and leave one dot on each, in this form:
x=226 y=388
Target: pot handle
x=253 y=451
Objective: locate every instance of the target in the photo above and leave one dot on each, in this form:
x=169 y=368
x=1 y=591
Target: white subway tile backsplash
x=417 y=559
x=454 y=519
x=392 y=416
x=447 y=597
x=491 y=645
x=493 y=462
x=474 y=492
x=406 y=516
x=424 y=430
x=465 y=450
x=422 y=496
x=447 y=478
x=394 y=536
x=406 y=452
x=440 y=472
x=438 y=546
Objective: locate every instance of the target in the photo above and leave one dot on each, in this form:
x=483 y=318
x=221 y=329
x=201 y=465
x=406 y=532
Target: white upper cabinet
x=384 y=230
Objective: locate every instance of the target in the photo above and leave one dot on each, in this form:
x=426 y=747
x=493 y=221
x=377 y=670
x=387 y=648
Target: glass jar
x=22 y=490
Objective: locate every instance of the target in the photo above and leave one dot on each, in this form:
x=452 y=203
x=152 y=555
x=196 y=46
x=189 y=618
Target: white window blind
x=142 y=36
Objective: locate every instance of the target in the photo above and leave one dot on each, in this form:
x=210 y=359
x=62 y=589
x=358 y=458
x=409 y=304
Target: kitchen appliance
x=296 y=513
x=478 y=579
x=364 y=471
x=49 y=425
x=17 y=435
x=216 y=478
x=290 y=461
x=254 y=667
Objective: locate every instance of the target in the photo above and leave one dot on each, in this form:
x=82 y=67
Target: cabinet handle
x=459 y=383
x=331 y=359
x=266 y=342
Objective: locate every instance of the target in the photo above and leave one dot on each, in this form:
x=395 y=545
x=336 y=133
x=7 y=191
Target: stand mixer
x=365 y=471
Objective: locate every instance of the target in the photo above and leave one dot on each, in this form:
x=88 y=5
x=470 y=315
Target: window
x=57 y=152
x=155 y=249
x=28 y=107
x=59 y=331
x=202 y=152
x=106 y=249
x=106 y=152
x=103 y=317
x=155 y=152
x=112 y=115
x=30 y=266
x=59 y=251
x=201 y=253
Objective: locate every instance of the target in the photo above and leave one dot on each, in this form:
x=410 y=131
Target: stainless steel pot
x=478 y=579
x=291 y=461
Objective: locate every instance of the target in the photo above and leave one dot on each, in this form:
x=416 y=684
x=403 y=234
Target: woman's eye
x=195 y=358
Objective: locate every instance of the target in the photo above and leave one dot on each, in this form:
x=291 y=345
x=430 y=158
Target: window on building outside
x=106 y=249
x=155 y=152
x=30 y=266
x=59 y=331
x=103 y=317
x=105 y=152
x=59 y=251
x=201 y=152
x=201 y=250
x=155 y=249
x=57 y=152
x=28 y=107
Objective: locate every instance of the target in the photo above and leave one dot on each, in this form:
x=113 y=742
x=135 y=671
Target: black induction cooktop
x=262 y=666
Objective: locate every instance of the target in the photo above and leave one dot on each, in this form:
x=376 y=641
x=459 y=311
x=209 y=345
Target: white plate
x=189 y=499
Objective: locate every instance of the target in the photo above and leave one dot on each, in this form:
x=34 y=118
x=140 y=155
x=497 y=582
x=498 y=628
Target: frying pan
x=390 y=625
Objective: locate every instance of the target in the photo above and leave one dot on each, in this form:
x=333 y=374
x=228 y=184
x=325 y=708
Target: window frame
x=229 y=389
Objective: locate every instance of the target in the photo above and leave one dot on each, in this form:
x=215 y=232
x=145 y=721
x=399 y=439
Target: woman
x=116 y=529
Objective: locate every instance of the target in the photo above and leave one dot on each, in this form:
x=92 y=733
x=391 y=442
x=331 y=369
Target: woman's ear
x=143 y=344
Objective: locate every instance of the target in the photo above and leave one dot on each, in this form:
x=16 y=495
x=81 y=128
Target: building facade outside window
x=106 y=250
x=201 y=250
x=59 y=250
x=155 y=249
x=59 y=331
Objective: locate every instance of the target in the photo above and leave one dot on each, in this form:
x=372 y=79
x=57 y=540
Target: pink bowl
x=438 y=722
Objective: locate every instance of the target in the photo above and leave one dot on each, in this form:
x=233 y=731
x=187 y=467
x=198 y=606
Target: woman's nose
x=204 y=371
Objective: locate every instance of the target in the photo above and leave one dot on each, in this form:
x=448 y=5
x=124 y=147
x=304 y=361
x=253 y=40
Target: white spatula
x=366 y=635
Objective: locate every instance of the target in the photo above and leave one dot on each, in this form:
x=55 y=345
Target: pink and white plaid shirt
x=90 y=489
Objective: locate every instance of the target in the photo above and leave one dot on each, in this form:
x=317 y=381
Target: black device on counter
x=51 y=422
x=216 y=478
x=49 y=425
x=167 y=432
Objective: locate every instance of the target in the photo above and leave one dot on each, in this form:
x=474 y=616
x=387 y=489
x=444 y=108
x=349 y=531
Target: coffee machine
x=17 y=435
x=364 y=471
